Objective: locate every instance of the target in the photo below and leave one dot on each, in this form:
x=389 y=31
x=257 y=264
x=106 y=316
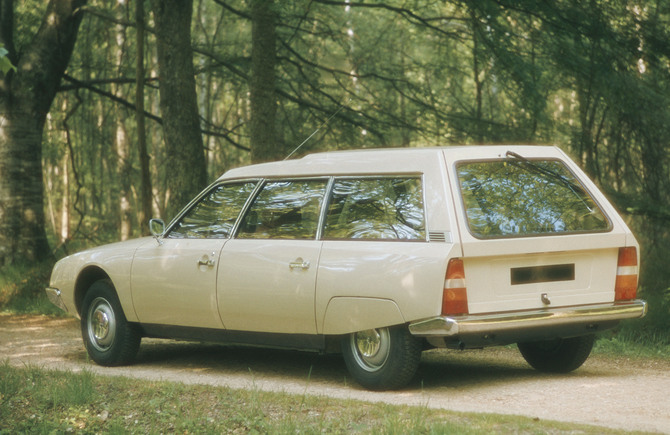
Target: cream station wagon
x=377 y=254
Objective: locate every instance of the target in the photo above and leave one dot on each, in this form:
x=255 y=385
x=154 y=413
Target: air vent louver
x=439 y=236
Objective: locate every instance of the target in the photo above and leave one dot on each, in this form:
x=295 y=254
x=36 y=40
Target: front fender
x=74 y=274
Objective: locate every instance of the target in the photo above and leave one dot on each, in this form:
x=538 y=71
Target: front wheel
x=383 y=358
x=561 y=355
x=108 y=337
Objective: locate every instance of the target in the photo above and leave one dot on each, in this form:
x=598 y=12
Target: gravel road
x=617 y=393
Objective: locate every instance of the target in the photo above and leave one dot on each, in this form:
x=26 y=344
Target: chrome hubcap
x=371 y=348
x=101 y=324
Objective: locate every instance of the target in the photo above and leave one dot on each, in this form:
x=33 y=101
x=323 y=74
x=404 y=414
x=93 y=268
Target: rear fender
x=345 y=315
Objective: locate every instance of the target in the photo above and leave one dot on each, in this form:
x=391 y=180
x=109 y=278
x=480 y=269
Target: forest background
x=112 y=112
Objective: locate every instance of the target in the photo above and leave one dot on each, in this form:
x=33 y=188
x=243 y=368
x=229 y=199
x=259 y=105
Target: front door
x=174 y=282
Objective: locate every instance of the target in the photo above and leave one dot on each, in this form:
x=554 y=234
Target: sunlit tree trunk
x=65 y=202
x=145 y=171
x=124 y=166
x=25 y=99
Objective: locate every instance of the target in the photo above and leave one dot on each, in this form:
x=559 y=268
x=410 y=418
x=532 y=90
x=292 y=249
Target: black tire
x=382 y=359
x=561 y=355
x=109 y=338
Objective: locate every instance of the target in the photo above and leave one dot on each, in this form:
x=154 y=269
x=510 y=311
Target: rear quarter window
x=385 y=208
x=514 y=198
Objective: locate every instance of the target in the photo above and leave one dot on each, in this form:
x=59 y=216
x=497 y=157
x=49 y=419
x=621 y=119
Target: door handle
x=205 y=260
x=299 y=263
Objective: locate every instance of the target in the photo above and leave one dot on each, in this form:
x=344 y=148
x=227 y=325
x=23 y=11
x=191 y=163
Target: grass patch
x=46 y=401
x=630 y=343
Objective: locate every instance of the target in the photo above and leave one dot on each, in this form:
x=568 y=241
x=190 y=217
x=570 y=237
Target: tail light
x=455 y=294
x=626 y=275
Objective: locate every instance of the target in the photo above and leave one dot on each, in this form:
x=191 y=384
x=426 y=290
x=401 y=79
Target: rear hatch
x=535 y=232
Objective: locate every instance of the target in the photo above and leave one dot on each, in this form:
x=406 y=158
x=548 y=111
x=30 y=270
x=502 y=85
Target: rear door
x=535 y=233
x=267 y=274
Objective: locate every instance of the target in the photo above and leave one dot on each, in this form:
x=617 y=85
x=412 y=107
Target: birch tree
x=26 y=96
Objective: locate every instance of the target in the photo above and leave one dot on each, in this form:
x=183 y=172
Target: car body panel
x=268 y=285
x=402 y=272
x=113 y=261
x=592 y=281
x=346 y=314
x=175 y=282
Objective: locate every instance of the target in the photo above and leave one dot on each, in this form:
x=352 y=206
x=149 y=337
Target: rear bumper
x=505 y=328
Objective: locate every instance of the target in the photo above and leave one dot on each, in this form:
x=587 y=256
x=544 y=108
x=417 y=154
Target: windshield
x=521 y=197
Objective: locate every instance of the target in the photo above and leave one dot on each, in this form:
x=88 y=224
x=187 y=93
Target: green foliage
x=34 y=400
x=27 y=18
x=22 y=289
x=5 y=64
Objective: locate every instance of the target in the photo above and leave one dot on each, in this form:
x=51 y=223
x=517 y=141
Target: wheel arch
x=345 y=315
x=86 y=278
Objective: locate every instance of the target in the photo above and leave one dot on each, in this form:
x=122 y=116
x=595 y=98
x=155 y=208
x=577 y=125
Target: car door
x=173 y=280
x=267 y=273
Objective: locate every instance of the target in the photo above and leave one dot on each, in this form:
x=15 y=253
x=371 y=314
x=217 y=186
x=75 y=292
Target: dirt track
x=624 y=394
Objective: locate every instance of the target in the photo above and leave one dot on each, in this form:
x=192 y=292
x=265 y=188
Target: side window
x=215 y=215
x=284 y=210
x=376 y=208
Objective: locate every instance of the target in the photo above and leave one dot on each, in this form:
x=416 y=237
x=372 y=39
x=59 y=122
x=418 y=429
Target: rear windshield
x=514 y=197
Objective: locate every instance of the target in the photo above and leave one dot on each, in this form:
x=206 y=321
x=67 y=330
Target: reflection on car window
x=519 y=198
x=215 y=215
x=285 y=210
x=376 y=208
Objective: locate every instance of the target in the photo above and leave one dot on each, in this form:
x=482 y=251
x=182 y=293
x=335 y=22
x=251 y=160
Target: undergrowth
x=22 y=289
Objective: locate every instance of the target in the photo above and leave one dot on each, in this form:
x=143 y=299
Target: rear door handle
x=299 y=263
x=206 y=260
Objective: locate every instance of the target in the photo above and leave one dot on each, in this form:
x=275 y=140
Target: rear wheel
x=383 y=358
x=109 y=338
x=561 y=355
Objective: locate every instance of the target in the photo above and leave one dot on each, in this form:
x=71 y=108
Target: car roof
x=382 y=160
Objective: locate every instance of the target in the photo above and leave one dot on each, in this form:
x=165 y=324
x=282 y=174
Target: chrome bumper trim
x=528 y=320
x=54 y=297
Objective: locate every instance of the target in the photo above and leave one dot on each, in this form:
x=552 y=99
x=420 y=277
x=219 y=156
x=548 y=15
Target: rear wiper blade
x=576 y=188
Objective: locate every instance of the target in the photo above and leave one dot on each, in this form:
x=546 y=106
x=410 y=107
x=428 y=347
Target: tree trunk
x=179 y=109
x=145 y=194
x=25 y=99
x=124 y=166
x=264 y=142
x=65 y=203
x=124 y=169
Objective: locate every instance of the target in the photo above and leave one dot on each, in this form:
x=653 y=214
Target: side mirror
x=157 y=228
